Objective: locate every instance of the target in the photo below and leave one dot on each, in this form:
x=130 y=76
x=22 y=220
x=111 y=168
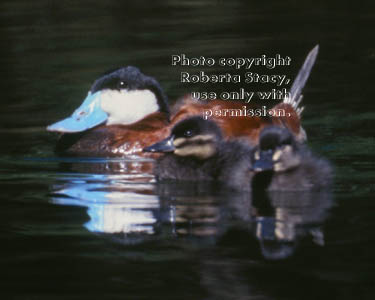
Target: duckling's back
x=314 y=173
x=230 y=165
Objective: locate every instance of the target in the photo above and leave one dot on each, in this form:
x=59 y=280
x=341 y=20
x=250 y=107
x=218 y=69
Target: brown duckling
x=196 y=151
x=280 y=163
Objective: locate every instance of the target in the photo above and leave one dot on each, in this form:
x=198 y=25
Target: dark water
x=88 y=229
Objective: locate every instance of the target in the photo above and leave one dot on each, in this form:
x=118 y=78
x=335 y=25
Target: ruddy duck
x=108 y=121
x=281 y=163
x=126 y=111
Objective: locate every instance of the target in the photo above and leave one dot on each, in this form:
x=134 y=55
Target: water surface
x=98 y=228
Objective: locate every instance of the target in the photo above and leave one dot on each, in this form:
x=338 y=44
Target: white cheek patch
x=198 y=151
x=277 y=155
x=257 y=155
x=199 y=138
x=127 y=107
x=179 y=141
x=287 y=159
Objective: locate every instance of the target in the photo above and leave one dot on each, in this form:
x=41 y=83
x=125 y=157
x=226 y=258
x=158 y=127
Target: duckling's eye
x=122 y=85
x=188 y=133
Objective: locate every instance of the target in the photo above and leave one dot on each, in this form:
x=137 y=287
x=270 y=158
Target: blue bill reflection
x=114 y=205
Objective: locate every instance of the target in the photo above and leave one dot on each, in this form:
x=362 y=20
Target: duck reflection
x=283 y=219
x=119 y=195
x=111 y=210
x=285 y=228
x=278 y=221
x=124 y=198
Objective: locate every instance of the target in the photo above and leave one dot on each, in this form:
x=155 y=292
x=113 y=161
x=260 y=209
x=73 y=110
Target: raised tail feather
x=296 y=96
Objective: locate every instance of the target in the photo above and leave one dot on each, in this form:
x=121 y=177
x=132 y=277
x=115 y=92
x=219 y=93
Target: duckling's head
x=277 y=151
x=194 y=137
x=120 y=97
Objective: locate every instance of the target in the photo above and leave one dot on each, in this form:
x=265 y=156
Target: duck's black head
x=131 y=79
x=277 y=150
x=193 y=137
x=120 y=97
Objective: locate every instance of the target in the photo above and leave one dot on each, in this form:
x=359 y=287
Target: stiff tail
x=299 y=83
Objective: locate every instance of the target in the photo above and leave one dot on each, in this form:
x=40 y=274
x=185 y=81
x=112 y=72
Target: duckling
x=126 y=110
x=196 y=151
x=282 y=164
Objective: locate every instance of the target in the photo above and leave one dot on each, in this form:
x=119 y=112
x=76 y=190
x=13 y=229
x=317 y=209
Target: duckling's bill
x=87 y=116
x=165 y=145
x=263 y=161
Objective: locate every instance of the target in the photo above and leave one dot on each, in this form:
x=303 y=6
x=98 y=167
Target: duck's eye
x=188 y=133
x=122 y=85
